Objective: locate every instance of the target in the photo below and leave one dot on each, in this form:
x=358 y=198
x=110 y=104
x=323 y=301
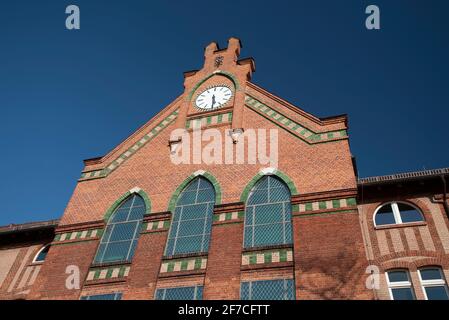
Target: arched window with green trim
x=268 y=214
x=119 y=239
x=192 y=219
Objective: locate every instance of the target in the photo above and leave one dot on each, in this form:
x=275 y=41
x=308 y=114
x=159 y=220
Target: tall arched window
x=119 y=239
x=268 y=214
x=192 y=219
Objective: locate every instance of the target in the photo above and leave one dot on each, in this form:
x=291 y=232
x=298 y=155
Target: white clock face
x=213 y=98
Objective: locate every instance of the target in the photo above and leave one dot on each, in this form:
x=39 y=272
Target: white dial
x=213 y=98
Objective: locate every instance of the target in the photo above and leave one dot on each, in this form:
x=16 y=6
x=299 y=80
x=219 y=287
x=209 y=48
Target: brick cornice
x=157 y=216
x=324 y=195
x=286 y=104
x=229 y=207
x=98 y=224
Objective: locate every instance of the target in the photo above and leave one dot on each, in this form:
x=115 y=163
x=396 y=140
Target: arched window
x=397 y=213
x=42 y=254
x=119 y=239
x=192 y=219
x=268 y=214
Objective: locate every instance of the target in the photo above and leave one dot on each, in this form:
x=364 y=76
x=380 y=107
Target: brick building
x=140 y=226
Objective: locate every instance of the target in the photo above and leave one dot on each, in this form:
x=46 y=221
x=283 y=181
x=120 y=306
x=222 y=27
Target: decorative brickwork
x=108 y=273
x=269 y=256
x=328 y=204
x=229 y=216
x=156 y=225
x=78 y=235
x=298 y=129
x=209 y=120
x=127 y=154
x=184 y=265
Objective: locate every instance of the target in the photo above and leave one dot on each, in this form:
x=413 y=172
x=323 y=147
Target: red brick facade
x=334 y=239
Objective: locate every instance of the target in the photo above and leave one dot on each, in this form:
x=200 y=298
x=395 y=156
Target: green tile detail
x=351 y=202
x=253 y=259
x=166 y=224
x=198 y=262
x=228 y=216
x=97 y=274
x=307 y=135
x=209 y=120
x=295 y=207
x=322 y=205
x=220 y=118
x=57 y=237
x=309 y=207
x=336 y=203
x=170 y=266
x=283 y=256
x=184 y=265
x=267 y=258
x=241 y=214
x=109 y=273
x=168 y=120
x=121 y=272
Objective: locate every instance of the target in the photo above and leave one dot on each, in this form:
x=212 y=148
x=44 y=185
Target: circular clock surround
x=213 y=97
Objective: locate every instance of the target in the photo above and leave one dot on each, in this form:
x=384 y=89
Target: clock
x=213 y=98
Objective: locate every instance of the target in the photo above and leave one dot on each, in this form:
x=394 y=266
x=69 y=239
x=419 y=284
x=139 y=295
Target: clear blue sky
x=70 y=95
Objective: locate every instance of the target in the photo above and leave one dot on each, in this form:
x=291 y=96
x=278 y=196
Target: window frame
x=397 y=214
x=250 y=209
x=135 y=237
x=432 y=283
x=178 y=223
x=117 y=296
x=269 y=282
x=399 y=284
x=39 y=252
x=198 y=292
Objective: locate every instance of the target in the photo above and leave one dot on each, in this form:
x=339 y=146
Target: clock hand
x=213 y=100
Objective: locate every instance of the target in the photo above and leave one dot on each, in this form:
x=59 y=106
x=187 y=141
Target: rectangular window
x=433 y=284
x=180 y=293
x=108 y=296
x=399 y=285
x=282 y=289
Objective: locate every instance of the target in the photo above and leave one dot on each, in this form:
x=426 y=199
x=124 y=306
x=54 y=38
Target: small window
x=42 y=254
x=399 y=285
x=108 y=296
x=180 y=293
x=397 y=213
x=283 y=289
x=433 y=283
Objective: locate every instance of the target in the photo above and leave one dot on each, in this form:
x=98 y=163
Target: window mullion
x=396 y=213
